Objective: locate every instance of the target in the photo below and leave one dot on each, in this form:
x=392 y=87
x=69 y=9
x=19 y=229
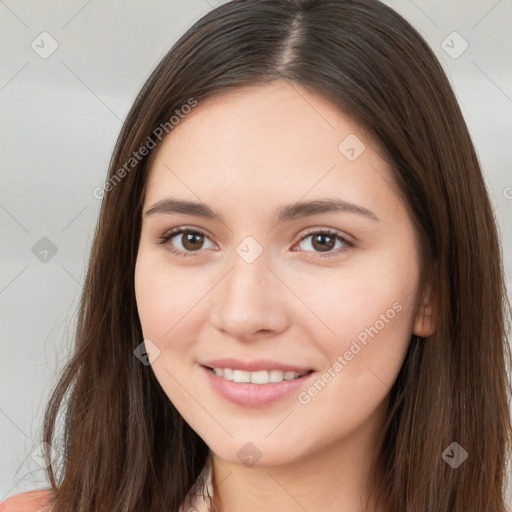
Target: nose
x=250 y=301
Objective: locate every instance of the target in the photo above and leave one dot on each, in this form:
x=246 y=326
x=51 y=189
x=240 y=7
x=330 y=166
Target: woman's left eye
x=322 y=240
x=325 y=240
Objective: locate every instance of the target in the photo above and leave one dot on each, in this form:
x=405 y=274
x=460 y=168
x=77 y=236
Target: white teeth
x=241 y=376
x=276 y=375
x=258 y=377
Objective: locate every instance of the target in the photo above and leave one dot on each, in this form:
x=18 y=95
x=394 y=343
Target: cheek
x=165 y=302
x=170 y=305
x=152 y=299
x=371 y=314
x=163 y=296
x=364 y=312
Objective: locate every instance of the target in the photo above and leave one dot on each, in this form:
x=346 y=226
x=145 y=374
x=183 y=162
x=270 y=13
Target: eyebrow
x=284 y=214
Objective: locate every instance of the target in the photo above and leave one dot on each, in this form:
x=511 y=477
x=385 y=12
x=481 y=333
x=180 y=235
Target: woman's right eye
x=192 y=241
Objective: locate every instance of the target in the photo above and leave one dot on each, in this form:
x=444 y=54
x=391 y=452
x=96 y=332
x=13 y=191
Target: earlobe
x=425 y=323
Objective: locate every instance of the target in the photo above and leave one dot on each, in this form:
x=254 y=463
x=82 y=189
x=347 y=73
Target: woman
x=295 y=296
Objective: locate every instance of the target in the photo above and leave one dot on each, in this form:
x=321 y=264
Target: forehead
x=276 y=139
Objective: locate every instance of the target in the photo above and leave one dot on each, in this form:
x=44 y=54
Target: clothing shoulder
x=30 y=501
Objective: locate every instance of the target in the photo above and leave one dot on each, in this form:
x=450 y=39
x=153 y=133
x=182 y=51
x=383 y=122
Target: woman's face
x=263 y=287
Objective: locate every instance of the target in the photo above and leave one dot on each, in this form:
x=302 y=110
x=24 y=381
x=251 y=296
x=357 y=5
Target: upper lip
x=255 y=365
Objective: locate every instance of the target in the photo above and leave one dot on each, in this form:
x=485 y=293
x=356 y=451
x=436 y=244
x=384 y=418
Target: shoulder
x=31 y=501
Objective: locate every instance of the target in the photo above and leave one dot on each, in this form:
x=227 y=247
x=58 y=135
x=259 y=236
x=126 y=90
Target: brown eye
x=323 y=242
x=192 y=241
x=184 y=241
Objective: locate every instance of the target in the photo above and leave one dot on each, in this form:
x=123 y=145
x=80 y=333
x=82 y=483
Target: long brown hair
x=125 y=447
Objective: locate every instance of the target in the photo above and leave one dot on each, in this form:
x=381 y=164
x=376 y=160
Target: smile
x=258 y=377
x=258 y=388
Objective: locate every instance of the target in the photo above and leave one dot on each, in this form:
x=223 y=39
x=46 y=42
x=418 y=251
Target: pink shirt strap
x=30 y=501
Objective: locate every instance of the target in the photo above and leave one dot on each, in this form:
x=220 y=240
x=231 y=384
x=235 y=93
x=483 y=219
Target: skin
x=247 y=153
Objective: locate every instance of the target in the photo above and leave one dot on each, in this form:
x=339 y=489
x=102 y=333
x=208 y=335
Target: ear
x=425 y=322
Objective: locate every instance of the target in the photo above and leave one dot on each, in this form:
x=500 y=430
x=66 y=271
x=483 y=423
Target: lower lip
x=255 y=395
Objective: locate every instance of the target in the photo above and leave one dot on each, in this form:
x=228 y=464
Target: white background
x=59 y=119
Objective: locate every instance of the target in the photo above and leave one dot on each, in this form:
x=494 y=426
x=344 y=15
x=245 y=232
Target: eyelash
x=348 y=245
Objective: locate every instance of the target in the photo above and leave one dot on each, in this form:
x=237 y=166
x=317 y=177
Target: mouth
x=257 y=388
x=257 y=377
